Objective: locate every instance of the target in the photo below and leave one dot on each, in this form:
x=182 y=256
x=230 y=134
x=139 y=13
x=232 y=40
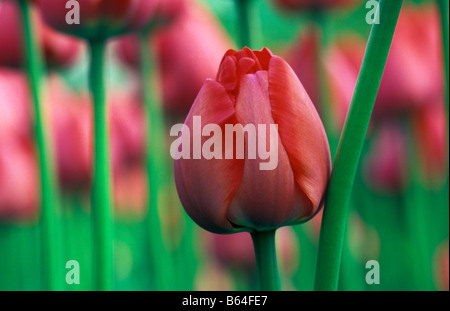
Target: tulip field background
x=399 y=207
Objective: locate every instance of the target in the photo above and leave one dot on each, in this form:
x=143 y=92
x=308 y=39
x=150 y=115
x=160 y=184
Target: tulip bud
x=99 y=19
x=234 y=192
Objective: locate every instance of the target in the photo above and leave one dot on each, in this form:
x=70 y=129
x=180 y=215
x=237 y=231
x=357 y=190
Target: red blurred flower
x=441 y=266
x=99 y=18
x=58 y=49
x=19 y=185
x=311 y=4
x=386 y=164
x=230 y=195
x=195 y=35
x=431 y=140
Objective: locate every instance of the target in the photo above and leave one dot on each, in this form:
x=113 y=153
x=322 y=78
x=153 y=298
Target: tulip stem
x=243 y=15
x=266 y=259
x=101 y=193
x=50 y=250
x=350 y=145
x=156 y=166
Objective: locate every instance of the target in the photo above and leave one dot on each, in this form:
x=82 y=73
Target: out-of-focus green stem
x=243 y=12
x=350 y=145
x=49 y=194
x=101 y=193
x=266 y=259
x=156 y=166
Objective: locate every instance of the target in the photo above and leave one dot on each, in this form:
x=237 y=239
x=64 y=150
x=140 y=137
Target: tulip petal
x=300 y=129
x=206 y=187
x=266 y=198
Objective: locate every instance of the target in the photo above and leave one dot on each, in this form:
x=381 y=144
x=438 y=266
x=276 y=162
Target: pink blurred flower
x=15 y=108
x=413 y=73
x=19 y=185
x=99 y=18
x=413 y=76
x=187 y=51
x=386 y=164
x=58 y=49
x=71 y=116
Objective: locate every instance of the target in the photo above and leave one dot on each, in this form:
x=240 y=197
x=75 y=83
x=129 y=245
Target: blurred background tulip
x=187 y=50
x=98 y=18
x=58 y=49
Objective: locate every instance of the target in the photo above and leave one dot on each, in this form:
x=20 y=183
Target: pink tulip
x=231 y=195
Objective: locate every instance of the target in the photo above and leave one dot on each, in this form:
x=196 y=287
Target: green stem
x=243 y=12
x=350 y=146
x=156 y=166
x=266 y=260
x=50 y=250
x=101 y=195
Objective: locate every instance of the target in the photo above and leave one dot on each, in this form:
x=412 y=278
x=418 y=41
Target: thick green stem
x=156 y=166
x=50 y=250
x=101 y=194
x=266 y=259
x=243 y=15
x=350 y=145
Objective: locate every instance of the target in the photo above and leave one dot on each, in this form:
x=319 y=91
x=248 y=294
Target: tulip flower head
x=97 y=19
x=226 y=194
